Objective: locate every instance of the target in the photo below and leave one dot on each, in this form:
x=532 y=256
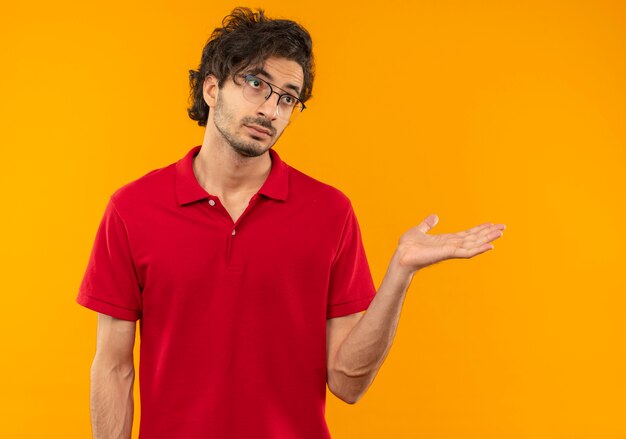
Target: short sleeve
x=351 y=287
x=110 y=284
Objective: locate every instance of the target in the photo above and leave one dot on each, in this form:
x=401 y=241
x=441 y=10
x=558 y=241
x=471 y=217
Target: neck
x=226 y=174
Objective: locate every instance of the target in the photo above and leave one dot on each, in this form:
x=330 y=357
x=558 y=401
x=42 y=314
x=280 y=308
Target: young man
x=248 y=277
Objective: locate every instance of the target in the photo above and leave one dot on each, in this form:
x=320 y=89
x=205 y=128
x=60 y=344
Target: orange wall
x=510 y=112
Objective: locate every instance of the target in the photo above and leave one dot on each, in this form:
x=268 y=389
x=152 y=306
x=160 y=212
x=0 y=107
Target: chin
x=246 y=151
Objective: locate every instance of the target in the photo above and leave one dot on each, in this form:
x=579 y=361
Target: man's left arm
x=358 y=358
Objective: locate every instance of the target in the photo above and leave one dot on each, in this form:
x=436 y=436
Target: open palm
x=417 y=249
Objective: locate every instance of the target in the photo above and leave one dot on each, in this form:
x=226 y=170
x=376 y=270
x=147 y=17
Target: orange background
x=510 y=112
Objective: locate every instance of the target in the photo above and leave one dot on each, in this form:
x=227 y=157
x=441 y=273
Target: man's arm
x=353 y=365
x=112 y=377
x=363 y=351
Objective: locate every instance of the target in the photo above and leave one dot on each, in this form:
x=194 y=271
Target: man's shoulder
x=151 y=185
x=316 y=190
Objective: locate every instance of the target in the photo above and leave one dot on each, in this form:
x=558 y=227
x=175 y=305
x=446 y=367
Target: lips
x=259 y=129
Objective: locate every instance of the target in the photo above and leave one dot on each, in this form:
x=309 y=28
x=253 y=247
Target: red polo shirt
x=232 y=315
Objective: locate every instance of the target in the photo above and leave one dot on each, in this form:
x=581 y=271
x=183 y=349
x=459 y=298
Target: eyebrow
x=259 y=70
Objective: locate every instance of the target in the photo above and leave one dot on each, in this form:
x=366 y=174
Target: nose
x=269 y=108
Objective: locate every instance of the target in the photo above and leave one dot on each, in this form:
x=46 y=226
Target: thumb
x=429 y=222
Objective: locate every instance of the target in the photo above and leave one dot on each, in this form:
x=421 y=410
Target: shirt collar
x=188 y=189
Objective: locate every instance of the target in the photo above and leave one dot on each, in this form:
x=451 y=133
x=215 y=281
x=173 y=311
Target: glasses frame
x=280 y=95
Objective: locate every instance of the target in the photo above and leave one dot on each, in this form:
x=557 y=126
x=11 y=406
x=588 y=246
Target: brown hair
x=245 y=39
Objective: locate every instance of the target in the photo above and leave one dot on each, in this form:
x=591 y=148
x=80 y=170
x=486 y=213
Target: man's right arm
x=112 y=378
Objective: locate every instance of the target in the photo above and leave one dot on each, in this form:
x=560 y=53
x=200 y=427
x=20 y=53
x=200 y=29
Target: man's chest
x=202 y=264
x=267 y=242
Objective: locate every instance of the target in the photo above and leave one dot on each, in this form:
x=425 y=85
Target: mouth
x=258 y=130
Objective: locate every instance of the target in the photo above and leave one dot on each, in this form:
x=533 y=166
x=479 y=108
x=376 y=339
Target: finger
x=428 y=223
x=472 y=251
x=493 y=231
x=474 y=230
x=482 y=228
x=473 y=242
x=483 y=249
x=483 y=238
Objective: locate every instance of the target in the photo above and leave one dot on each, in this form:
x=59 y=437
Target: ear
x=209 y=90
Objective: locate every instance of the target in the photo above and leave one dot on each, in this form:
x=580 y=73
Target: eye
x=253 y=82
x=289 y=100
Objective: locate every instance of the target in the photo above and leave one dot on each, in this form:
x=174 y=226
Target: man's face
x=234 y=116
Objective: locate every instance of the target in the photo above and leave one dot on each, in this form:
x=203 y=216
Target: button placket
x=233 y=250
x=235 y=246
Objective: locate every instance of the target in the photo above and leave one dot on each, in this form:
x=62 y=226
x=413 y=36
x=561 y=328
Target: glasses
x=257 y=91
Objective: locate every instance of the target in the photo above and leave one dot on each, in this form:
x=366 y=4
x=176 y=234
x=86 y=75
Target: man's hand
x=417 y=250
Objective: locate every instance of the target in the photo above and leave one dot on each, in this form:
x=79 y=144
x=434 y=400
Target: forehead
x=285 y=73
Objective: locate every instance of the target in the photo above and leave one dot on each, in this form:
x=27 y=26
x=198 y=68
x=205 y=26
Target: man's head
x=240 y=113
x=245 y=42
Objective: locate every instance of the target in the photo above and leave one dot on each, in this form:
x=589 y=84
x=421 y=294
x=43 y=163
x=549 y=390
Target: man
x=248 y=277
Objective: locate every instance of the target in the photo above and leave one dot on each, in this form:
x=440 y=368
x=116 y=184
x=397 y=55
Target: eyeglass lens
x=258 y=91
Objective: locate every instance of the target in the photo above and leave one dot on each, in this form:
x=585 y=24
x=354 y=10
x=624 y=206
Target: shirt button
x=212 y=202
x=233 y=232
